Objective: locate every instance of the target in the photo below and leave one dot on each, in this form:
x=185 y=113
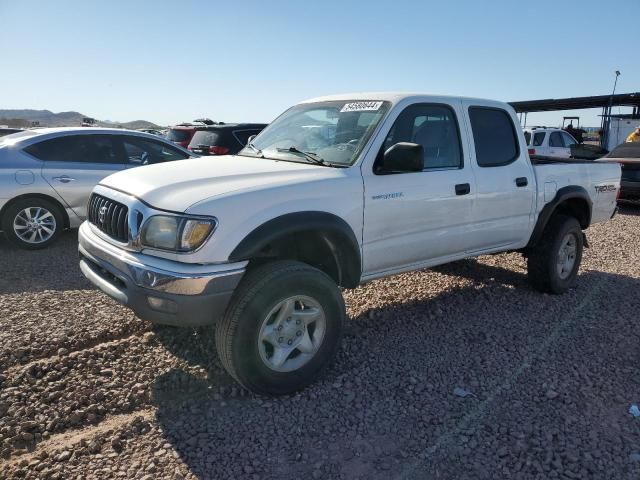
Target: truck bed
x=600 y=180
x=543 y=160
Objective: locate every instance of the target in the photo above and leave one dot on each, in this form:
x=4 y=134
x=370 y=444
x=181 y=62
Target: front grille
x=109 y=216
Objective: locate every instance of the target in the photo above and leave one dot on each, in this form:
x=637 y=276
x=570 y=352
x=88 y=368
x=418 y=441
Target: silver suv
x=46 y=175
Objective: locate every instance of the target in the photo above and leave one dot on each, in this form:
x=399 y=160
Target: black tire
x=542 y=259
x=261 y=290
x=35 y=202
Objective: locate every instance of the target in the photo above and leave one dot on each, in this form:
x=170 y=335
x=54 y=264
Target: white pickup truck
x=337 y=191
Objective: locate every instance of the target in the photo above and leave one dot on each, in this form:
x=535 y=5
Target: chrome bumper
x=158 y=290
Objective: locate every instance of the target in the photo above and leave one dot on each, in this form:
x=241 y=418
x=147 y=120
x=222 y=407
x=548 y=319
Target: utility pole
x=606 y=122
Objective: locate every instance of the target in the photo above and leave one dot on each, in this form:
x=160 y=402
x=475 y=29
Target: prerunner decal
x=361 y=107
x=387 y=196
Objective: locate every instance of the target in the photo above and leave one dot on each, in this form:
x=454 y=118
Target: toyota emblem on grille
x=102 y=213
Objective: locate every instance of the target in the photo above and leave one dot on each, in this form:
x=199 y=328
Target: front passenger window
x=140 y=151
x=435 y=128
x=568 y=140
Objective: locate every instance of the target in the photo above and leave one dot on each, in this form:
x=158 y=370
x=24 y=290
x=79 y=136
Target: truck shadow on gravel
x=376 y=415
x=474 y=270
x=52 y=268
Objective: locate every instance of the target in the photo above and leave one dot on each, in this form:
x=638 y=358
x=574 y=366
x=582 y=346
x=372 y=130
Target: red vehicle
x=182 y=133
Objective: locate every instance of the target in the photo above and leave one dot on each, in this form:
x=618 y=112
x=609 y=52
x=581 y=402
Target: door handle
x=64 y=179
x=463 y=188
x=522 y=181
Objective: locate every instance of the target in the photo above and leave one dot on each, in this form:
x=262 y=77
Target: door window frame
x=516 y=138
x=454 y=116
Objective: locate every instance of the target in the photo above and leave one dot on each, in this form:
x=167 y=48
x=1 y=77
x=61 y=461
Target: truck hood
x=175 y=186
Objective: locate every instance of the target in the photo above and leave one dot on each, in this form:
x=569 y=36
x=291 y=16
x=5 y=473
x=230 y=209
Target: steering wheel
x=315 y=141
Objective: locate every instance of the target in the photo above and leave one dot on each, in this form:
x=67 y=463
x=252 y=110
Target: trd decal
x=605 y=188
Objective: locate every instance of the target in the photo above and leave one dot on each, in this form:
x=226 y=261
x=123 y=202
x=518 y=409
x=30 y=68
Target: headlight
x=182 y=234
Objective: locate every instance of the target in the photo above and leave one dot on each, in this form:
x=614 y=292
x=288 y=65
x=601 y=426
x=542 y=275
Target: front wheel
x=553 y=264
x=32 y=223
x=282 y=327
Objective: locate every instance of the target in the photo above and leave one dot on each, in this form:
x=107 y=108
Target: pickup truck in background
x=337 y=191
x=628 y=156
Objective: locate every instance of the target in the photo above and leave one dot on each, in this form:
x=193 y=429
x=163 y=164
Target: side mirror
x=251 y=138
x=403 y=157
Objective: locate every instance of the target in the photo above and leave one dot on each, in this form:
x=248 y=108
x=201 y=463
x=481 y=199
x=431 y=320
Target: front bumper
x=158 y=290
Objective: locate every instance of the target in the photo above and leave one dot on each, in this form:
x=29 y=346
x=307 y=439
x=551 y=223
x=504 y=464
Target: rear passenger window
x=77 y=149
x=435 y=128
x=538 y=139
x=555 y=140
x=494 y=136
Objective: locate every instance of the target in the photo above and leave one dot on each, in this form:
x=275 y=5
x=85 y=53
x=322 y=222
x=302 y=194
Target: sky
x=171 y=61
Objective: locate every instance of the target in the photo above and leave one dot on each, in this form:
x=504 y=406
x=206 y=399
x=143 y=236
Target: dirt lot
x=87 y=390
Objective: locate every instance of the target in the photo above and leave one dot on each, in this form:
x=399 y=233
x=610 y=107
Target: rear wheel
x=553 y=264
x=32 y=223
x=282 y=327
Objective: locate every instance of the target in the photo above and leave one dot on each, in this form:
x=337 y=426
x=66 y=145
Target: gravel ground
x=459 y=372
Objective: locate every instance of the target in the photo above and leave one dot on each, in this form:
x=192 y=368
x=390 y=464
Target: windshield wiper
x=312 y=157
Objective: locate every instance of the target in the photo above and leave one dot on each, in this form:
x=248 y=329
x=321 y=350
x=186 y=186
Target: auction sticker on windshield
x=361 y=107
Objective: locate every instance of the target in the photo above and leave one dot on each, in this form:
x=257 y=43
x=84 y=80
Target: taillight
x=532 y=151
x=190 y=149
x=216 y=150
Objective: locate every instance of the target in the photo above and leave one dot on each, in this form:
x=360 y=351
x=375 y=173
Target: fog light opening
x=162 y=305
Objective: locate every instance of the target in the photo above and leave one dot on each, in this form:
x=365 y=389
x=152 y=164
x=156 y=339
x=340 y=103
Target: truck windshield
x=333 y=132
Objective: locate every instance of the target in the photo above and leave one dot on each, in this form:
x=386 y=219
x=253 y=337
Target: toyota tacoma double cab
x=337 y=191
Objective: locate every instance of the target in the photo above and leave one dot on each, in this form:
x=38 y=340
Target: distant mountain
x=133 y=125
x=46 y=118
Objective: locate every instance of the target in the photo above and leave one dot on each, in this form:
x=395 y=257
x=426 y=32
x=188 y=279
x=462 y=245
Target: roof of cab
x=395 y=97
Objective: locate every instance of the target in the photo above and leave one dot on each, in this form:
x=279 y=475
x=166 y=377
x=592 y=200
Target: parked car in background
x=182 y=133
x=8 y=131
x=628 y=156
x=89 y=122
x=223 y=139
x=549 y=142
x=337 y=191
x=46 y=175
x=152 y=131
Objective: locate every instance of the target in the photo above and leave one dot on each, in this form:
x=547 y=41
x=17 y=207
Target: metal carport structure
x=606 y=102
